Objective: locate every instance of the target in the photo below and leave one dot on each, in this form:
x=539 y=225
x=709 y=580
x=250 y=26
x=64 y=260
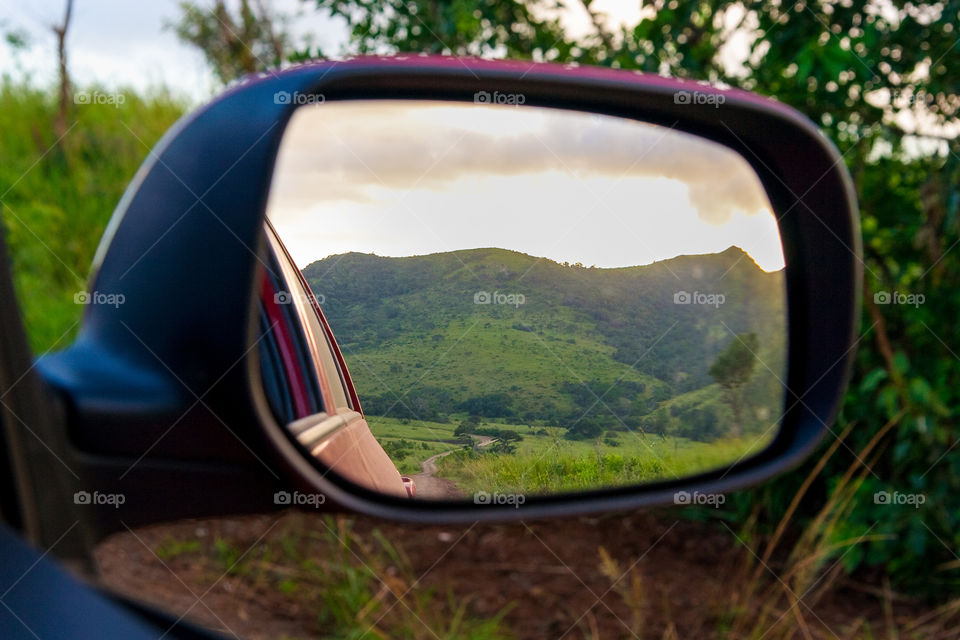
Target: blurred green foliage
x=57 y=194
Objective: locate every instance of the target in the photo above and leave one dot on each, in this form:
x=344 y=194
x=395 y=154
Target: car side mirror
x=264 y=336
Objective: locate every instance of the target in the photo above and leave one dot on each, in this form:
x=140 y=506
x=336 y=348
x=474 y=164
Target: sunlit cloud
x=404 y=178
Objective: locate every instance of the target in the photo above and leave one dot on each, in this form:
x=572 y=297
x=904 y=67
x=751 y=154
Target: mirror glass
x=524 y=300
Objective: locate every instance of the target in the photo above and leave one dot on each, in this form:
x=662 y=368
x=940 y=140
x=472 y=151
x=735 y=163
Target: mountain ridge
x=506 y=333
x=737 y=251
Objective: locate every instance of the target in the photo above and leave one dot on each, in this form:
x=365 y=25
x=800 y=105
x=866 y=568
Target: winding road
x=431 y=487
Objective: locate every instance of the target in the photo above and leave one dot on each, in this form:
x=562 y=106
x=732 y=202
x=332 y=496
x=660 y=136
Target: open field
x=542 y=461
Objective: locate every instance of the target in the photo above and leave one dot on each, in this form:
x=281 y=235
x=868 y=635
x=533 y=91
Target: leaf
x=872 y=379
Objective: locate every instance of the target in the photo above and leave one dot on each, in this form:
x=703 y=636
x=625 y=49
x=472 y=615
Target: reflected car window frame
x=327 y=363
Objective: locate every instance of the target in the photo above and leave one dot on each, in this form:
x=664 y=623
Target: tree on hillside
x=701 y=424
x=587 y=427
x=488 y=405
x=467 y=426
x=732 y=370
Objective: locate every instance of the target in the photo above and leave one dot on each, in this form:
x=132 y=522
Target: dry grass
x=773 y=596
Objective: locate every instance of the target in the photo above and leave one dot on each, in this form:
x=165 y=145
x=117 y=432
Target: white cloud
x=402 y=178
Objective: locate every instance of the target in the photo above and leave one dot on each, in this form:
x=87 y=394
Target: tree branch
x=60 y=125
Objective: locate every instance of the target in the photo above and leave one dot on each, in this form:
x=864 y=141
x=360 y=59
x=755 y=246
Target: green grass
x=425 y=439
x=407 y=455
x=545 y=462
x=59 y=192
x=542 y=467
x=175 y=548
x=420 y=430
x=469 y=353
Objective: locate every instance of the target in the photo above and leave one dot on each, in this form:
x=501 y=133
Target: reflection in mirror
x=527 y=300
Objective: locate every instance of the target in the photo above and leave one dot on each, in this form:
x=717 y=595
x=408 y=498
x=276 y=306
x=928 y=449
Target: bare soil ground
x=549 y=576
x=430 y=486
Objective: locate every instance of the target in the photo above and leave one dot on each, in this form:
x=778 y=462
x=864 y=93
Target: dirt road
x=430 y=487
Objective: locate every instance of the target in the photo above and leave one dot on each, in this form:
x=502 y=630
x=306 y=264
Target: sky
x=123 y=42
x=411 y=178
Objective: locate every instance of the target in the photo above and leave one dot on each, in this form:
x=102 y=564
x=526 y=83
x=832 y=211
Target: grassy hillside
x=583 y=348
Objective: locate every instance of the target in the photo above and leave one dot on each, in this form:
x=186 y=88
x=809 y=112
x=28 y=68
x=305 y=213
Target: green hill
x=505 y=335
